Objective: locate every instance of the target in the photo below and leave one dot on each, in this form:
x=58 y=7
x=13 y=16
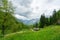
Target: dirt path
x=14 y=33
x=17 y=32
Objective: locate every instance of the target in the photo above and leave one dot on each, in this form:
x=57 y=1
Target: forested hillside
x=8 y=23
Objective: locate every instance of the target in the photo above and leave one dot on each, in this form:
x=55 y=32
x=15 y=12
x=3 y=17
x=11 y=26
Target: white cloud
x=20 y=17
x=44 y=6
x=35 y=7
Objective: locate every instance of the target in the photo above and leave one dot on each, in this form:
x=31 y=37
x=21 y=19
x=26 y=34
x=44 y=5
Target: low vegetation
x=48 y=33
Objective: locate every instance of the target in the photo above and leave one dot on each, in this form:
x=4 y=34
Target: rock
x=35 y=29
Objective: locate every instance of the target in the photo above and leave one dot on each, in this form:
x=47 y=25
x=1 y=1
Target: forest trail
x=14 y=33
x=17 y=32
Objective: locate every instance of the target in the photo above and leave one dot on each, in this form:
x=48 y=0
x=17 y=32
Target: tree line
x=46 y=21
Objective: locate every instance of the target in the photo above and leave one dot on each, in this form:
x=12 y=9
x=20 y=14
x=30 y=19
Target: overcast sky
x=32 y=9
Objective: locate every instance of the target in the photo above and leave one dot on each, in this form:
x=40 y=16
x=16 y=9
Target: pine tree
x=42 y=21
x=54 y=16
x=47 y=21
x=51 y=20
x=36 y=25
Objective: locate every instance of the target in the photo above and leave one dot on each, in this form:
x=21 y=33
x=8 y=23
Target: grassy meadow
x=47 y=33
x=22 y=21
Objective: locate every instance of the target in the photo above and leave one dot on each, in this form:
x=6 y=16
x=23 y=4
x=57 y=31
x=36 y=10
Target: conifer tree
x=42 y=21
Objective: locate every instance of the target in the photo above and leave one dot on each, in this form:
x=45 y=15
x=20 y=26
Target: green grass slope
x=48 y=33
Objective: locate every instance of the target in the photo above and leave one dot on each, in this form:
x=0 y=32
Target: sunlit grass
x=48 y=33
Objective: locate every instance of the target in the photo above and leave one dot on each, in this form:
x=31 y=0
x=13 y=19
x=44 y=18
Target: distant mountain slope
x=29 y=21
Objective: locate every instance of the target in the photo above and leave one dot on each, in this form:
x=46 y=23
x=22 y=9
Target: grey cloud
x=45 y=4
x=54 y=2
x=49 y=1
x=25 y=14
x=25 y=3
x=22 y=7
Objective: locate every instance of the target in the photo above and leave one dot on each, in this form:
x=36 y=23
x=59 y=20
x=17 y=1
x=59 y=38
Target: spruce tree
x=42 y=21
x=54 y=16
